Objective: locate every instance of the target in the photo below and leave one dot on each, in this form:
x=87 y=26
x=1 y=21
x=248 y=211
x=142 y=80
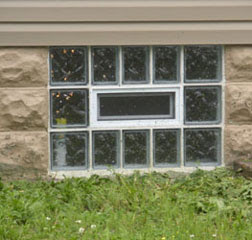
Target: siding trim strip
x=46 y=34
x=124 y=10
x=125 y=22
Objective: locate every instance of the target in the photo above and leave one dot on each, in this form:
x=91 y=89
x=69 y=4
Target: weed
x=203 y=205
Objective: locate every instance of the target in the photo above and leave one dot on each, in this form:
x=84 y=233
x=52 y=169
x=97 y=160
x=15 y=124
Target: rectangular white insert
x=134 y=107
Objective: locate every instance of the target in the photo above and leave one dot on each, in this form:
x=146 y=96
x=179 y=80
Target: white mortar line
x=223 y=107
x=151 y=66
x=98 y=87
x=143 y=86
x=150 y=71
x=181 y=107
x=203 y=84
x=104 y=172
x=121 y=149
x=89 y=68
x=120 y=66
x=90 y=150
x=49 y=114
x=151 y=150
x=131 y=128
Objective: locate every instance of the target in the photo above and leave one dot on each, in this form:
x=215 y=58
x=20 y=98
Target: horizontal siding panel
x=125 y=10
x=44 y=34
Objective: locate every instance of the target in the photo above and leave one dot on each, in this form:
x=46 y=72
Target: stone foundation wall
x=24 y=110
x=23 y=113
x=238 y=105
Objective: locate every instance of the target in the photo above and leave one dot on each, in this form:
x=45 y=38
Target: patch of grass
x=203 y=205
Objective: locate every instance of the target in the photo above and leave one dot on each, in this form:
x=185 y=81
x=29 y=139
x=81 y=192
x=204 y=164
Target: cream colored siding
x=40 y=23
x=125 y=10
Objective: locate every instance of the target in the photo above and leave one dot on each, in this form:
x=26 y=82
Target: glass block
x=202 y=146
x=68 y=65
x=202 y=64
x=135 y=148
x=166 y=147
x=166 y=64
x=135 y=65
x=203 y=104
x=69 y=150
x=69 y=108
x=139 y=105
x=106 y=148
x=105 y=62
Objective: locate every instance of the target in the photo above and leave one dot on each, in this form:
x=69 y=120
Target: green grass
x=204 y=205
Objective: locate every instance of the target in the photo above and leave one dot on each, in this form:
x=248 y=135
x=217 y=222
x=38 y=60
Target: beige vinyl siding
x=125 y=10
x=121 y=22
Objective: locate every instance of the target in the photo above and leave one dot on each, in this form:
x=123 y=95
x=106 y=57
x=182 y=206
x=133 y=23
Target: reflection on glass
x=166 y=146
x=136 y=105
x=69 y=149
x=202 y=63
x=202 y=145
x=69 y=107
x=136 y=147
x=165 y=64
x=106 y=148
x=135 y=67
x=202 y=104
x=104 y=64
x=68 y=65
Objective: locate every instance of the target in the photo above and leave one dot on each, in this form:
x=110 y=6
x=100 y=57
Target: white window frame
x=94 y=122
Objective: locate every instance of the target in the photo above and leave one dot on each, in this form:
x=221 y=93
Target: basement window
x=135 y=107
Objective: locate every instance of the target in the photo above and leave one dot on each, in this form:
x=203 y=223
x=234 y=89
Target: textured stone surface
x=244 y=168
x=238 y=63
x=23 y=155
x=238 y=144
x=23 y=109
x=238 y=132
x=23 y=67
x=239 y=104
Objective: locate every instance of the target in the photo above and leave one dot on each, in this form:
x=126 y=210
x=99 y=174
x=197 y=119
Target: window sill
x=110 y=172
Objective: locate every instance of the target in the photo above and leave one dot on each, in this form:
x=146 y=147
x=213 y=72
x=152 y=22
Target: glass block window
x=202 y=63
x=166 y=64
x=135 y=148
x=135 y=65
x=135 y=107
x=69 y=150
x=105 y=65
x=68 y=65
x=166 y=147
x=202 y=146
x=202 y=104
x=69 y=108
x=106 y=148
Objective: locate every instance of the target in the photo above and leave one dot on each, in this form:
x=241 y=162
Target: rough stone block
x=23 y=67
x=239 y=104
x=238 y=63
x=244 y=168
x=238 y=144
x=23 y=109
x=23 y=155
